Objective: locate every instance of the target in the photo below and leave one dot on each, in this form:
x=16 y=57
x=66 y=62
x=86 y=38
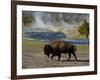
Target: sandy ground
x=35 y=58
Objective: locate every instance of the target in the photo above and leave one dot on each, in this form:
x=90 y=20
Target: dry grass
x=33 y=56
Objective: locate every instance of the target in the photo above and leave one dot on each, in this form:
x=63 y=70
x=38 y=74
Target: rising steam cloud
x=51 y=20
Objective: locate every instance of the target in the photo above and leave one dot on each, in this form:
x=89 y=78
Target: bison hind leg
x=74 y=56
x=69 y=56
x=59 y=56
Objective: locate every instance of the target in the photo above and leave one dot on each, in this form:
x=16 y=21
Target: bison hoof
x=68 y=60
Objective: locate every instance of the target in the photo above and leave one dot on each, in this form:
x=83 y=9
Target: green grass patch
x=37 y=46
x=32 y=44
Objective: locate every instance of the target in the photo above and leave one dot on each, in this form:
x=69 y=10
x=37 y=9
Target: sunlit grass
x=37 y=46
x=32 y=44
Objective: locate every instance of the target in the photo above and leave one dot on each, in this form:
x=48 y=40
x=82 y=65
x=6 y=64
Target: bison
x=56 y=48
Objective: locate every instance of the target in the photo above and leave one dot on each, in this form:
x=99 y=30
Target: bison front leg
x=48 y=55
x=52 y=56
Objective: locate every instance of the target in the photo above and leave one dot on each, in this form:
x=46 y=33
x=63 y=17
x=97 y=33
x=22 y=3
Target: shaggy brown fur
x=56 y=48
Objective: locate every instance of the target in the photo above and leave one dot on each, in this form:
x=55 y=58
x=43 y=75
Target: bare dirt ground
x=33 y=57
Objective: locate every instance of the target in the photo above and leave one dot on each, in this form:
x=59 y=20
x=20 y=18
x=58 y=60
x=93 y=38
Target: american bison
x=56 y=48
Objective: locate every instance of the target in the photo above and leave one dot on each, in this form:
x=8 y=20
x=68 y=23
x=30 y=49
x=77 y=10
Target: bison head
x=48 y=50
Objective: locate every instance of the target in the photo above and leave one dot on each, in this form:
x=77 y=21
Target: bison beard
x=56 y=48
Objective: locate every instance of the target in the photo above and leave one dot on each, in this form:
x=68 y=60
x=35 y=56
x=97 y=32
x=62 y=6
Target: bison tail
x=75 y=48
